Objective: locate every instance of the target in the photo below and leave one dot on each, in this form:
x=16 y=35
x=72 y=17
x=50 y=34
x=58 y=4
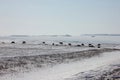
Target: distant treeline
x=19 y=36
x=101 y=34
x=40 y=35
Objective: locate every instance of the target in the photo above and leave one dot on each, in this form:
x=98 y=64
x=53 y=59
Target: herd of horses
x=61 y=43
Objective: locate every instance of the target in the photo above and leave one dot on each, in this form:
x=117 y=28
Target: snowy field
x=37 y=61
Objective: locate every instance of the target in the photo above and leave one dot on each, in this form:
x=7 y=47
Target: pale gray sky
x=74 y=17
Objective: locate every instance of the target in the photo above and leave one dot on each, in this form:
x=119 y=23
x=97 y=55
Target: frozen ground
x=36 y=61
x=106 y=67
x=7 y=50
x=70 y=71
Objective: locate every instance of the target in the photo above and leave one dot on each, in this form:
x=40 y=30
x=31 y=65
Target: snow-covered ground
x=64 y=71
x=7 y=50
x=36 y=61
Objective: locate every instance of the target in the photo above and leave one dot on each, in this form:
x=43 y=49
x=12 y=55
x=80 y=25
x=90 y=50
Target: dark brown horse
x=13 y=42
x=61 y=43
x=99 y=45
x=90 y=45
x=24 y=42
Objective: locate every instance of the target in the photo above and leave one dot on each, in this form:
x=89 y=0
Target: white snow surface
x=68 y=70
x=59 y=71
x=12 y=50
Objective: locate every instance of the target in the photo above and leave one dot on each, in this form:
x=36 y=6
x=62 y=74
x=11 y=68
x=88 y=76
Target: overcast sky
x=57 y=17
